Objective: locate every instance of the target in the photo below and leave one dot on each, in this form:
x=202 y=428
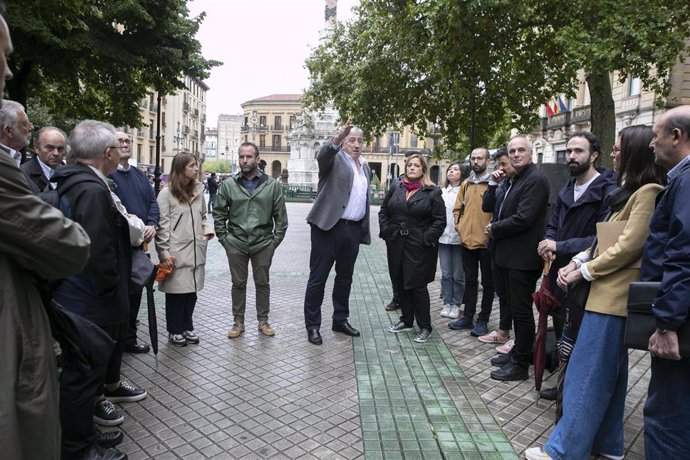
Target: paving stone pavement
x=378 y=396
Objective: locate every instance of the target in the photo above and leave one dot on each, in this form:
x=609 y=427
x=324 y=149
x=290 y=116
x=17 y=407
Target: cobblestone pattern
x=281 y=397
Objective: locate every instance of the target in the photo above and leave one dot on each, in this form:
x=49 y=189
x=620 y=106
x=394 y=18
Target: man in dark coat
x=339 y=222
x=49 y=151
x=578 y=208
x=99 y=292
x=516 y=231
x=666 y=259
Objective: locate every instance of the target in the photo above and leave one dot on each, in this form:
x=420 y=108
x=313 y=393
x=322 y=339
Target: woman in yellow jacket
x=597 y=376
x=181 y=240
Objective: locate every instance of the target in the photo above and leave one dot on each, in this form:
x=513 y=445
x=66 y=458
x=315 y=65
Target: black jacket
x=99 y=292
x=37 y=180
x=412 y=229
x=520 y=226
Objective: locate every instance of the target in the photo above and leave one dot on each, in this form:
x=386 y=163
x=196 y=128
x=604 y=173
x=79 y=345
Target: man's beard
x=576 y=168
x=478 y=169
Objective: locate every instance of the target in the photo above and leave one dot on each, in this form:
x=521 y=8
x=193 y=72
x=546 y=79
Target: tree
x=460 y=68
x=97 y=59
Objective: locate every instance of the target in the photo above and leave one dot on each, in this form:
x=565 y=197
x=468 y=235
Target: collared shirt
x=47 y=171
x=15 y=155
x=673 y=173
x=356 y=205
x=250 y=184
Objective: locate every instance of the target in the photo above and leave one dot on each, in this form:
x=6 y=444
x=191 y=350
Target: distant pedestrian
x=181 y=242
x=470 y=222
x=212 y=187
x=412 y=218
x=596 y=379
x=667 y=259
x=449 y=253
x=339 y=222
x=250 y=221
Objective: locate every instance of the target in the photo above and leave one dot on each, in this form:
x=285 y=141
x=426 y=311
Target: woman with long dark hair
x=412 y=219
x=597 y=375
x=181 y=240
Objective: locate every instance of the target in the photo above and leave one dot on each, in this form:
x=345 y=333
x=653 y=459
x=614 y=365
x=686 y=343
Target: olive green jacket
x=250 y=222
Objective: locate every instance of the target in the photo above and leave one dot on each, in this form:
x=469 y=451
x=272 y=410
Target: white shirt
x=357 y=204
x=578 y=190
x=47 y=171
x=450 y=235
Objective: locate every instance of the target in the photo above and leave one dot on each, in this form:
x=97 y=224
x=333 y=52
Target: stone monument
x=311 y=130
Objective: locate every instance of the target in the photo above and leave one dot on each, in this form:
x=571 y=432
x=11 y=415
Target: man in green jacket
x=250 y=221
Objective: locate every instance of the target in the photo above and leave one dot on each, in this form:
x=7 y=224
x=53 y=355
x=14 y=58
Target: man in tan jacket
x=470 y=222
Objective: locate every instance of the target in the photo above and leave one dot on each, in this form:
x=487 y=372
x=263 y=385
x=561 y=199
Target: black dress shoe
x=509 y=372
x=110 y=439
x=346 y=329
x=500 y=360
x=394 y=305
x=98 y=453
x=137 y=348
x=314 y=336
x=550 y=394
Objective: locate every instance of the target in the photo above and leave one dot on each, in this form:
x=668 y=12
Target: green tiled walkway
x=415 y=402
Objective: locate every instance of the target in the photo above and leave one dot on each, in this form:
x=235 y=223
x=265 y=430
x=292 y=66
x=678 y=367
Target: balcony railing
x=558 y=121
x=277 y=127
x=262 y=129
x=275 y=148
x=581 y=114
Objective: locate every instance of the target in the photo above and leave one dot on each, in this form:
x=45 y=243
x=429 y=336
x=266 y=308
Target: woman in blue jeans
x=597 y=376
x=449 y=255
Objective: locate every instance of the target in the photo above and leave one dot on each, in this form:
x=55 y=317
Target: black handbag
x=641 y=322
x=142 y=270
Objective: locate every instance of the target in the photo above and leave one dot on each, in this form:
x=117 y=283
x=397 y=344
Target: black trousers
x=521 y=285
x=394 y=280
x=505 y=321
x=339 y=245
x=117 y=332
x=472 y=261
x=179 y=309
x=414 y=304
x=134 y=305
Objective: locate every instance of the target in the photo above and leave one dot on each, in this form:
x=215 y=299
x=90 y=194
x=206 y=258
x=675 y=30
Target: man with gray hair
x=339 y=223
x=15 y=129
x=99 y=292
x=50 y=144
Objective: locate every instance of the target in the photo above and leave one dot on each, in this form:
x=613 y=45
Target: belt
x=350 y=222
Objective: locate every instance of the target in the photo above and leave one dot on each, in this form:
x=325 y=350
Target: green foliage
x=97 y=59
x=475 y=68
x=217 y=166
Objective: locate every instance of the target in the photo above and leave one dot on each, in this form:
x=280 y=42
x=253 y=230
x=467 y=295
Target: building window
x=276 y=141
x=262 y=140
x=278 y=122
x=560 y=156
x=150 y=154
x=413 y=141
x=262 y=120
x=634 y=86
x=139 y=147
x=293 y=120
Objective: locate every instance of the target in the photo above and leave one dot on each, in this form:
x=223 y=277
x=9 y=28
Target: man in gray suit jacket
x=339 y=223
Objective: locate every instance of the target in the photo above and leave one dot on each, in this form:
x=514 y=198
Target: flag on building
x=561 y=105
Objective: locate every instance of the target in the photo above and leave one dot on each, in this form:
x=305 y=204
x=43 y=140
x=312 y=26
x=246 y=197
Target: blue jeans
x=594 y=392
x=452 y=273
x=666 y=422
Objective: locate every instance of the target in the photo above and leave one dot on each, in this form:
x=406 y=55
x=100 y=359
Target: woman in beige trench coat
x=181 y=241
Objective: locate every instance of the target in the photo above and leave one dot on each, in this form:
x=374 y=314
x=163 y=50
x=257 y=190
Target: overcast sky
x=262 y=44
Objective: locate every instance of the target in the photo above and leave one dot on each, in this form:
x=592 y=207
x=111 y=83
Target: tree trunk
x=18 y=86
x=603 y=113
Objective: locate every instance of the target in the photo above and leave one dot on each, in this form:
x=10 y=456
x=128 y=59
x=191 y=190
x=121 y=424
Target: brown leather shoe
x=236 y=330
x=266 y=329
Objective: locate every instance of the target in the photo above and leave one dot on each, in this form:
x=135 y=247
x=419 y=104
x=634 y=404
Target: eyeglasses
x=124 y=141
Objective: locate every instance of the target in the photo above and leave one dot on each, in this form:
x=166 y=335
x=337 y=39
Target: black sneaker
x=423 y=335
x=400 y=327
x=106 y=414
x=126 y=392
x=500 y=360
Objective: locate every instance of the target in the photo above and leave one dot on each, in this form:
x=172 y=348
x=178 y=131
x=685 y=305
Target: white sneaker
x=506 y=347
x=454 y=311
x=446 y=310
x=535 y=453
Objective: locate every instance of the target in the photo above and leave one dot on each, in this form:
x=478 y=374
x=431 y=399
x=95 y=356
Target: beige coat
x=612 y=271
x=181 y=234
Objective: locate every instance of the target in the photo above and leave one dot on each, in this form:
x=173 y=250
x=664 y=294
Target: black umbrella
x=153 y=322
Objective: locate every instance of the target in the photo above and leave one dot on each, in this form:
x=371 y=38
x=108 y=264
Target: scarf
x=410 y=186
